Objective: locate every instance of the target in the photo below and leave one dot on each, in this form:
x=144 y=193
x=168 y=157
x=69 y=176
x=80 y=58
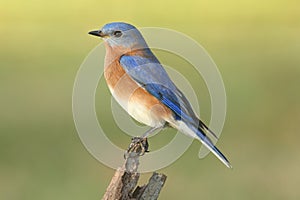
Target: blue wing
x=150 y=74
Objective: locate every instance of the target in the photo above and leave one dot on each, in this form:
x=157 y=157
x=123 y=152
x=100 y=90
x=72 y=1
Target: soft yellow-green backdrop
x=256 y=45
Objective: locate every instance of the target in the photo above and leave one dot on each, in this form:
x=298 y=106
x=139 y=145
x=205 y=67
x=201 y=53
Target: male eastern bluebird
x=143 y=88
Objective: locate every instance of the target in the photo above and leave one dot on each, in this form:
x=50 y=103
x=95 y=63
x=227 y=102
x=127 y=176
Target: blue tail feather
x=209 y=144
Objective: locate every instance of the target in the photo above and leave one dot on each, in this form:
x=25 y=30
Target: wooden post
x=123 y=184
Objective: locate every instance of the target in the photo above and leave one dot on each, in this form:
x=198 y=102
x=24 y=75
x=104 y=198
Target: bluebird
x=140 y=84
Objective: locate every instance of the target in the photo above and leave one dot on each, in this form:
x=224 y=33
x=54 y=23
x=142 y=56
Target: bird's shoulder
x=140 y=55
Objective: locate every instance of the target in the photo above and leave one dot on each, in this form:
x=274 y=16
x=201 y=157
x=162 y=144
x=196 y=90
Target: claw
x=138 y=145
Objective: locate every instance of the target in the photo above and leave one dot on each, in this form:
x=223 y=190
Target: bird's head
x=121 y=35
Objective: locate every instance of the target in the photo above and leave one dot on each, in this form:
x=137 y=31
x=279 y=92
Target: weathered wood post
x=123 y=184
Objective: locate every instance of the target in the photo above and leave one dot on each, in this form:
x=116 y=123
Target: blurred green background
x=256 y=45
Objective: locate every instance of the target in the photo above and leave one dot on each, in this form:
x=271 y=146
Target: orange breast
x=138 y=102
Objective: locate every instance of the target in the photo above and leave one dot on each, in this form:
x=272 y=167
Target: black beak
x=97 y=33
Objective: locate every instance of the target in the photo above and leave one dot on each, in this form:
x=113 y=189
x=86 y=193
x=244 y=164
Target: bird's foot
x=138 y=145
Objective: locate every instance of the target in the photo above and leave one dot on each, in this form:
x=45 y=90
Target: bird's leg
x=140 y=145
x=152 y=130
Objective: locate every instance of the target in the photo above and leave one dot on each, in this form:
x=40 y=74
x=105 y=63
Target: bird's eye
x=117 y=33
